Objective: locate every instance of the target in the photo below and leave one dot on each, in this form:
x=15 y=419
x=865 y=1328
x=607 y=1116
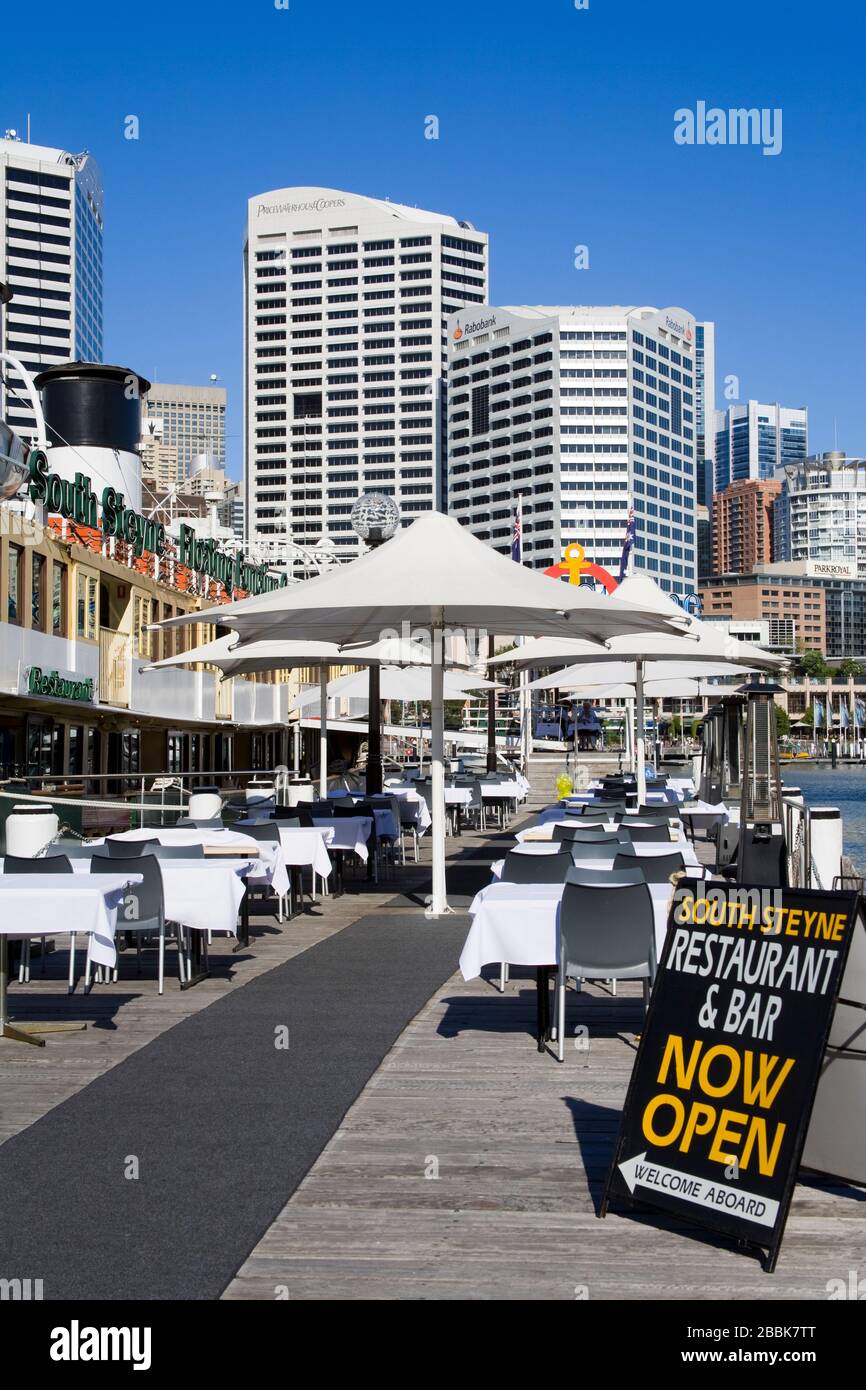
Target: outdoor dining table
x=702 y=815
x=44 y=904
x=519 y=923
x=418 y=807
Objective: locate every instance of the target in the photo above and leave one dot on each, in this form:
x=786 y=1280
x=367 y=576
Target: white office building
x=820 y=515
x=582 y=412
x=51 y=257
x=189 y=419
x=346 y=304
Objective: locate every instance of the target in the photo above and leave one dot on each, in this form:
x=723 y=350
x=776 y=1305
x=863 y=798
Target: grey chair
x=607 y=931
x=561 y=833
x=535 y=868
x=147 y=903
x=656 y=868
x=22 y=864
x=178 y=851
x=267 y=832
x=72 y=849
x=595 y=849
x=649 y=834
x=128 y=849
x=657 y=811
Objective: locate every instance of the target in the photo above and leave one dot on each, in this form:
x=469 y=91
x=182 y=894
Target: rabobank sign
x=317 y=205
x=683 y=330
x=474 y=326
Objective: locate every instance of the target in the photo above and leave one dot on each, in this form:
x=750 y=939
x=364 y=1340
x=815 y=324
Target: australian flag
x=517 y=533
x=628 y=544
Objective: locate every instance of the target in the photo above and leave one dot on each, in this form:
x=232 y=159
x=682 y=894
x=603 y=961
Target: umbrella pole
x=439 y=899
x=640 y=735
x=323 y=732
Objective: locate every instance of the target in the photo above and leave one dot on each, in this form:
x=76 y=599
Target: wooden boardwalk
x=471 y=1167
x=127 y=1015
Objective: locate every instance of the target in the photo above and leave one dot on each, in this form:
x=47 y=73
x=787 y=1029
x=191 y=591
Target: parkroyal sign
x=723 y=1084
x=76 y=501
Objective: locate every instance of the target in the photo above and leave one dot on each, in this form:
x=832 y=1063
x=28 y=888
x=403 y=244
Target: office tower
x=192 y=419
x=347 y=299
x=704 y=534
x=705 y=411
x=820 y=516
x=582 y=412
x=231 y=509
x=51 y=257
x=753 y=440
x=159 y=465
x=743 y=525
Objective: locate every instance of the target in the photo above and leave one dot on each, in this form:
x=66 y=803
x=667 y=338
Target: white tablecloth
x=350 y=833
x=47 y=904
x=510 y=790
x=304 y=847
x=700 y=815
x=415 y=801
x=519 y=924
x=647 y=851
x=204 y=894
x=271 y=865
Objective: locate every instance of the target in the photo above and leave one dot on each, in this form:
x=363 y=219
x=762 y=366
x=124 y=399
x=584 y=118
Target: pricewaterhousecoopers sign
x=76 y=501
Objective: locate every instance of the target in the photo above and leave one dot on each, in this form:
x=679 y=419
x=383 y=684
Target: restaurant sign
x=76 y=501
x=720 y=1097
x=55 y=686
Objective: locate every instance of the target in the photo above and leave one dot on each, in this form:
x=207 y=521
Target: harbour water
x=842 y=786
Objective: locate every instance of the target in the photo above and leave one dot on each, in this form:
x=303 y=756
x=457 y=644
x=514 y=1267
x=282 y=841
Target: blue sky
x=556 y=129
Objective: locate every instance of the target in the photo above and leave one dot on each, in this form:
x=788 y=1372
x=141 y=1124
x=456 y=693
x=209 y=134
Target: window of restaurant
x=59 y=576
x=223 y=752
x=141 y=624
x=75 y=750
x=174 y=753
x=15 y=583
x=38 y=607
x=93 y=754
x=86 y=595
x=44 y=747
x=123 y=759
x=168 y=634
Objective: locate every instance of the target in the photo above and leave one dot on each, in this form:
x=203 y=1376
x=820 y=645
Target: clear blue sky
x=556 y=128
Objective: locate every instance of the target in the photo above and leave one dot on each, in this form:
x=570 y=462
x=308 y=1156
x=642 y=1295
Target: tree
x=849 y=667
x=811 y=663
x=783 y=722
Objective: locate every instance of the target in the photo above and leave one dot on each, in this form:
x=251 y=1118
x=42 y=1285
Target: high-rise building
x=753 y=440
x=705 y=411
x=743 y=525
x=820 y=515
x=347 y=299
x=159 y=463
x=51 y=257
x=582 y=412
x=190 y=418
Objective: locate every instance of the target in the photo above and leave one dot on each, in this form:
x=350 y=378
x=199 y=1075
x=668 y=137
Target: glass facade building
x=753 y=440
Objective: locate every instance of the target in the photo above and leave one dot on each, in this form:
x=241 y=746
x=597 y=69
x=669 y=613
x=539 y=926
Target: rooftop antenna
x=28 y=127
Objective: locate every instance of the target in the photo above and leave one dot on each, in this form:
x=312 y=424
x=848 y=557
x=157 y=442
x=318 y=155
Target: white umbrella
x=700 y=642
x=398 y=683
x=434 y=575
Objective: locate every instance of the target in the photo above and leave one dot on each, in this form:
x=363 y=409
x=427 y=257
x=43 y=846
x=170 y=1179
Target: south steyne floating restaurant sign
x=76 y=501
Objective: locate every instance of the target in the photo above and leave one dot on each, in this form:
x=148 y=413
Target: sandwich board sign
x=728 y=1063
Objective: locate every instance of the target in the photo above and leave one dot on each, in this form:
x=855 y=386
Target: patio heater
x=723 y=750
x=375 y=517
x=762 y=858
